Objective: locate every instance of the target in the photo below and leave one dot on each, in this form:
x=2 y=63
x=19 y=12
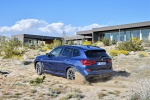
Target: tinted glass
x=67 y=52
x=96 y=53
x=76 y=53
x=136 y=33
x=56 y=52
x=128 y=35
x=145 y=34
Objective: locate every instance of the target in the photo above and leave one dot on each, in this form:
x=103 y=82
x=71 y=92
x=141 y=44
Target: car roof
x=83 y=47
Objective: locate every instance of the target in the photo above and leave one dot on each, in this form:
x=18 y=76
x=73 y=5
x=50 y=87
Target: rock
x=132 y=53
x=121 y=55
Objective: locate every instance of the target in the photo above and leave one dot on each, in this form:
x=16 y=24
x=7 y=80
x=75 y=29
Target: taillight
x=87 y=62
x=109 y=61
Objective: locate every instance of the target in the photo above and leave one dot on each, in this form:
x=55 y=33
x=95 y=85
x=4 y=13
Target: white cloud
x=40 y=27
x=89 y=27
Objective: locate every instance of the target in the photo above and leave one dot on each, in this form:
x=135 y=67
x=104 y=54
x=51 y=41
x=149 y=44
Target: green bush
x=70 y=43
x=11 y=48
x=55 y=44
x=37 y=80
x=106 y=42
x=135 y=44
x=113 y=52
x=113 y=42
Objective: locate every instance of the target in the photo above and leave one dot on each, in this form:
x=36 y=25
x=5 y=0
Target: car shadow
x=120 y=73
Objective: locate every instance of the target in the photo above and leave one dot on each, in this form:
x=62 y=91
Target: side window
x=76 y=53
x=67 y=52
x=56 y=52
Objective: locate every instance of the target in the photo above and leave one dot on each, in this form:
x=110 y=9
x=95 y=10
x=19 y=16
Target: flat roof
x=123 y=26
x=37 y=36
x=115 y=27
x=84 y=32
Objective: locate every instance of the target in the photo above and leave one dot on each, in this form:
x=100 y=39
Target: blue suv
x=90 y=61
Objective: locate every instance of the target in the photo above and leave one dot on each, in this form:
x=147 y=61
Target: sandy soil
x=15 y=81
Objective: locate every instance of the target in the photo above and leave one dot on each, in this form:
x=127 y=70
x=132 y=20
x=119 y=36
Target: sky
x=53 y=17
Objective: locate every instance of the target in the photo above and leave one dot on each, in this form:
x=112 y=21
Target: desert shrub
x=70 y=43
x=55 y=44
x=140 y=90
x=106 y=42
x=45 y=47
x=96 y=43
x=143 y=54
x=87 y=43
x=37 y=80
x=12 y=48
x=113 y=42
x=78 y=96
x=124 y=52
x=146 y=43
x=133 y=45
x=101 y=95
x=113 y=52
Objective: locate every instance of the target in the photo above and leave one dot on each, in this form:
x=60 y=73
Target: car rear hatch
x=97 y=60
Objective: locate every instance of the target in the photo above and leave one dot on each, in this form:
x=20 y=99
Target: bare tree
x=64 y=37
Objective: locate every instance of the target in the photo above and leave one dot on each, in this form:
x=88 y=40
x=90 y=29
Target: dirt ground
x=17 y=81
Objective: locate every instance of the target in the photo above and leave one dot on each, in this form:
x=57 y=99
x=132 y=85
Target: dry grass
x=15 y=85
x=140 y=90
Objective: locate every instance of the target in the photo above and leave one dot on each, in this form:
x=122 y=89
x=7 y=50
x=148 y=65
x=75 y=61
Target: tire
x=71 y=74
x=39 y=68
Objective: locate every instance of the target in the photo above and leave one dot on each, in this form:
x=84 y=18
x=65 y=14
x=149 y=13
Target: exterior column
x=119 y=35
x=140 y=35
x=111 y=37
x=125 y=37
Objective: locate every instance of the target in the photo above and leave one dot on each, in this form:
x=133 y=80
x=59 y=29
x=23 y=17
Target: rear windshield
x=96 y=53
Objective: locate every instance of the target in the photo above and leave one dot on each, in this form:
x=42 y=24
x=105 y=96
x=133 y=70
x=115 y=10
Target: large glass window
x=136 y=33
x=122 y=36
x=115 y=36
x=145 y=34
x=128 y=35
x=107 y=35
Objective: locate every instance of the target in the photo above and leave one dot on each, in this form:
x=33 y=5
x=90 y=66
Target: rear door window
x=67 y=52
x=96 y=53
x=76 y=53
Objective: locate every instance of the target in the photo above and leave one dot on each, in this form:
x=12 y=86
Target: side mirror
x=49 y=55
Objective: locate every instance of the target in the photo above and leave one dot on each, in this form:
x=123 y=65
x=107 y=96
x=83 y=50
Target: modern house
x=119 y=32
x=35 y=39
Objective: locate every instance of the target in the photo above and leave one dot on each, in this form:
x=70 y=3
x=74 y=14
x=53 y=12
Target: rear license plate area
x=101 y=63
